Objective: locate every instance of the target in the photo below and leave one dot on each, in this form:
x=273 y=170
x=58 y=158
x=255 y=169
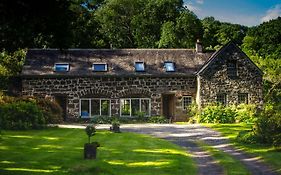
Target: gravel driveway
x=187 y=135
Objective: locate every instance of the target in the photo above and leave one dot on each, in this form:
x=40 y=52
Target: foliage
x=268 y=127
x=102 y=120
x=21 y=115
x=52 y=111
x=264 y=40
x=217 y=33
x=217 y=114
x=246 y=113
x=158 y=119
x=90 y=131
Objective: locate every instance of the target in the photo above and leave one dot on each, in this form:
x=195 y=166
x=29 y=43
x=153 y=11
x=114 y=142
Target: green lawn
x=267 y=153
x=60 y=151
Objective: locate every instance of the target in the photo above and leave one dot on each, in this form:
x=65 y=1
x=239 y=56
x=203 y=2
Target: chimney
x=199 y=47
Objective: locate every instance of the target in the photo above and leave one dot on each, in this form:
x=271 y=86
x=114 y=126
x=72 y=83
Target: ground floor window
x=135 y=106
x=91 y=107
x=186 y=101
x=221 y=98
x=242 y=98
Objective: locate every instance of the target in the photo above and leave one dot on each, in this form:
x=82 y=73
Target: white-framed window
x=134 y=106
x=139 y=66
x=169 y=66
x=61 y=67
x=99 y=67
x=92 y=107
x=242 y=98
x=186 y=101
x=221 y=98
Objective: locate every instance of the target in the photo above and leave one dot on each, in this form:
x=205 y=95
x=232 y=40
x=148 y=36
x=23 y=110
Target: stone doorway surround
x=168 y=105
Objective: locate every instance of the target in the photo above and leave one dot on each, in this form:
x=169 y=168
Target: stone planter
x=90 y=150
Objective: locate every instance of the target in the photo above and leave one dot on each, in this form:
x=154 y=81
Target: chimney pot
x=199 y=47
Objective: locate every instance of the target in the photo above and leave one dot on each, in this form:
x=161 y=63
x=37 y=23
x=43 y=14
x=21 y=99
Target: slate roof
x=40 y=62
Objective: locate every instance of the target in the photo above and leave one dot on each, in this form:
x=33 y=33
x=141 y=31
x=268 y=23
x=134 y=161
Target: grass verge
x=60 y=151
x=268 y=153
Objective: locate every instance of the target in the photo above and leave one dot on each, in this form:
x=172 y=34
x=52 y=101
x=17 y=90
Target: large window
x=91 y=107
x=221 y=98
x=186 y=101
x=135 y=106
x=61 y=67
x=232 y=69
x=243 y=98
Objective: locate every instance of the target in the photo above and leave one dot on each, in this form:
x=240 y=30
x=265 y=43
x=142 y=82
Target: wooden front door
x=168 y=105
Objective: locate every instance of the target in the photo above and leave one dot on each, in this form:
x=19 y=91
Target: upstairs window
x=232 y=69
x=139 y=66
x=186 y=101
x=99 y=67
x=169 y=66
x=243 y=98
x=61 y=67
x=221 y=98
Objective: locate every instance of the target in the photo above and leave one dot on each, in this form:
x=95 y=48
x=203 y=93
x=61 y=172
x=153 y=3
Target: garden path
x=187 y=136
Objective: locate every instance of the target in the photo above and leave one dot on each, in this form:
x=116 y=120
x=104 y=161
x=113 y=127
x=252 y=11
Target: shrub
x=21 y=115
x=246 y=113
x=90 y=131
x=51 y=110
x=217 y=114
x=268 y=126
x=158 y=119
x=102 y=120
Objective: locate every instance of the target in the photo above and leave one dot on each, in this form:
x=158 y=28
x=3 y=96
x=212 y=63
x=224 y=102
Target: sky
x=245 y=12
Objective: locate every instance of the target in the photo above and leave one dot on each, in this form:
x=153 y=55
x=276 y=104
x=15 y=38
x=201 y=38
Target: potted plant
x=115 y=125
x=90 y=149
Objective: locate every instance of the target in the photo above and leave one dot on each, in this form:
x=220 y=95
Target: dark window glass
x=85 y=109
x=243 y=98
x=99 y=67
x=186 y=101
x=221 y=98
x=232 y=69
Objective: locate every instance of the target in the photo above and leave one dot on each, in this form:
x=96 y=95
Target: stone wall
x=215 y=80
x=113 y=88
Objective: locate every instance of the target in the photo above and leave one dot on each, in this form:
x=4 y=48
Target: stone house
x=130 y=82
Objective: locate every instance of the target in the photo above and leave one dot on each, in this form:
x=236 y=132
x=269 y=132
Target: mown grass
x=269 y=154
x=60 y=151
x=230 y=165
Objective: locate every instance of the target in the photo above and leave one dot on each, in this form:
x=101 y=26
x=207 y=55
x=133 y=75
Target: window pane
x=169 y=66
x=85 y=112
x=243 y=98
x=105 y=107
x=145 y=106
x=95 y=107
x=99 y=67
x=135 y=107
x=232 y=69
x=187 y=101
x=221 y=98
x=61 y=67
x=139 y=66
x=125 y=107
